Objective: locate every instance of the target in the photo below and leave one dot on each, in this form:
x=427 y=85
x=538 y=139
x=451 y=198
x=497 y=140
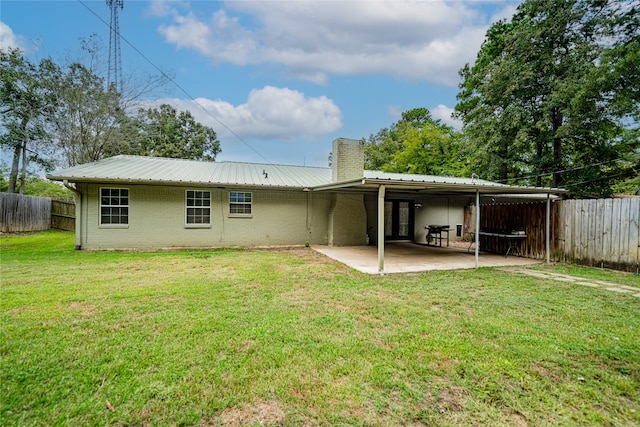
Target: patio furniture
x=514 y=239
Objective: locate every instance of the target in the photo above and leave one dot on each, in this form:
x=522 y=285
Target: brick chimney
x=348 y=159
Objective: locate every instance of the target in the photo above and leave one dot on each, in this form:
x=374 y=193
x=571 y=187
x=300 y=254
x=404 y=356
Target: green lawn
x=242 y=337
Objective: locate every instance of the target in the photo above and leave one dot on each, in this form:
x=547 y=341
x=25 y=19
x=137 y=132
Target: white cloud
x=425 y=40
x=506 y=12
x=9 y=40
x=163 y=8
x=269 y=113
x=444 y=113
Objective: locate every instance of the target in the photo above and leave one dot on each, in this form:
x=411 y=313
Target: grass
x=242 y=337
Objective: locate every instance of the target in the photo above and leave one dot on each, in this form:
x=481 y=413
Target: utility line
x=598 y=179
x=184 y=91
x=560 y=171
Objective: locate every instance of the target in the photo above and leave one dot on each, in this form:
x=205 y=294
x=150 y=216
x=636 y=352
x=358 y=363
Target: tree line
x=62 y=116
x=552 y=99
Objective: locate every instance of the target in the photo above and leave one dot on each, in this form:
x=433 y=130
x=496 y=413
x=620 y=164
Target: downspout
x=548 y=230
x=78 y=200
x=309 y=218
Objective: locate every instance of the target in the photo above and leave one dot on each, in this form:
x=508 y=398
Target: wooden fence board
x=634 y=238
x=599 y=230
x=567 y=211
x=591 y=232
x=607 y=224
x=587 y=227
x=577 y=227
x=625 y=224
x=616 y=220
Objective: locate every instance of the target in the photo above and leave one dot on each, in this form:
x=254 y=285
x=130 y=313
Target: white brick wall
x=157 y=219
x=347 y=220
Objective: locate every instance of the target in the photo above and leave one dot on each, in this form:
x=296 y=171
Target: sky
x=277 y=80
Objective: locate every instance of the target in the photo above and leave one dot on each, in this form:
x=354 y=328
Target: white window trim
x=241 y=215
x=100 y=206
x=186 y=224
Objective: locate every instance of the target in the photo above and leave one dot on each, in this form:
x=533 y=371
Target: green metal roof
x=158 y=170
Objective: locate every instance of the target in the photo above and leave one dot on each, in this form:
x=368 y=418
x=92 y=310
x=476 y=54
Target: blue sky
x=277 y=80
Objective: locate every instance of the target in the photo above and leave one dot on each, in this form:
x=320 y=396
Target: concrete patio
x=408 y=257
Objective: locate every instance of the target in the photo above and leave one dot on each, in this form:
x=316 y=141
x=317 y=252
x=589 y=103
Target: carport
x=387 y=185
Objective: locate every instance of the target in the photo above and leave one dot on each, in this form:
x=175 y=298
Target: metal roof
x=434 y=184
x=158 y=170
x=426 y=179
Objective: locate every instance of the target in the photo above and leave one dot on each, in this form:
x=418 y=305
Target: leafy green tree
x=430 y=150
x=34 y=185
x=552 y=91
x=165 y=132
x=84 y=118
x=57 y=115
x=380 y=148
x=629 y=176
x=418 y=144
x=40 y=187
x=22 y=104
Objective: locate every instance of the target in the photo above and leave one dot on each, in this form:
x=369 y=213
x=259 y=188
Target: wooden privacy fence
x=507 y=218
x=63 y=214
x=596 y=232
x=602 y=233
x=28 y=213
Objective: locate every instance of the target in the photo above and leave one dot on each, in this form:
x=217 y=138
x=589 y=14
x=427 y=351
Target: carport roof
x=163 y=171
x=434 y=184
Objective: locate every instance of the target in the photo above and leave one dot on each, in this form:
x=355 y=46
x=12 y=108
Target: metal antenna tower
x=114 y=74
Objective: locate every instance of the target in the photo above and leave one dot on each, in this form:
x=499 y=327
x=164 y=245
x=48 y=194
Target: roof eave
x=171 y=182
x=338 y=185
x=485 y=188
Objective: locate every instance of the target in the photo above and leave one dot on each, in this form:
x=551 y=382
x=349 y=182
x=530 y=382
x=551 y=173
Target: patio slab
x=407 y=257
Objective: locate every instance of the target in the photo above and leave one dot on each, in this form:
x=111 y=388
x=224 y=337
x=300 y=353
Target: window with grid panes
x=114 y=206
x=240 y=203
x=198 y=209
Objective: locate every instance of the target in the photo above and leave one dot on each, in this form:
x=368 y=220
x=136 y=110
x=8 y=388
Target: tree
x=65 y=115
x=417 y=144
x=22 y=104
x=165 y=132
x=551 y=93
x=84 y=118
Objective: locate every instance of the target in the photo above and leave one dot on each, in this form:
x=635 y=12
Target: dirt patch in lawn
x=449 y=399
x=266 y=413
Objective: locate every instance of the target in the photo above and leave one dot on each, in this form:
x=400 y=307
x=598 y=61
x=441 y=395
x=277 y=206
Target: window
x=198 y=207
x=239 y=203
x=114 y=206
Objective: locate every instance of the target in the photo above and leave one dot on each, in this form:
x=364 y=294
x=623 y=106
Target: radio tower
x=115 y=60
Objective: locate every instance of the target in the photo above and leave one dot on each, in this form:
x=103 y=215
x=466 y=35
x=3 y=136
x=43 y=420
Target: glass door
x=404 y=220
x=398 y=219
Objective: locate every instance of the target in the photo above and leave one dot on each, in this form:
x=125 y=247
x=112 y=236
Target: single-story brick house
x=130 y=202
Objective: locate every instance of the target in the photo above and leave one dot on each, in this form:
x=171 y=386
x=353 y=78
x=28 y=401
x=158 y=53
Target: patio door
x=398 y=219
